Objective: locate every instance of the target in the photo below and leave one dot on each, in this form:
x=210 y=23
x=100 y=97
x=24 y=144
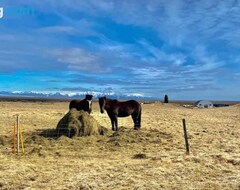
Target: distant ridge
x=66 y=96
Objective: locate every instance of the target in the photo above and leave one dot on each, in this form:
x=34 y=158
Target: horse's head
x=89 y=97
x=102 y=102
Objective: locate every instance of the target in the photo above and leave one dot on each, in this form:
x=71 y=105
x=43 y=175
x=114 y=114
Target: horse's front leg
x=111 y=116
x=116 y=122
x=112 y=121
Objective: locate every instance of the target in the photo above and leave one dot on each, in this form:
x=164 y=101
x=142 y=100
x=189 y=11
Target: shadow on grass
x=48 y=133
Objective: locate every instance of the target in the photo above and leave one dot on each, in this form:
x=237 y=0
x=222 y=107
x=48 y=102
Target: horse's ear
x=105 y=97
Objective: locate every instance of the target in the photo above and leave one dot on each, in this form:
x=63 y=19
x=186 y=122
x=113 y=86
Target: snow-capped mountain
x=36 y=94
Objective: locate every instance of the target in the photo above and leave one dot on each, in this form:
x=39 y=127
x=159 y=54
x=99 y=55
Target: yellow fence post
x=18 y=135
x=21 y=138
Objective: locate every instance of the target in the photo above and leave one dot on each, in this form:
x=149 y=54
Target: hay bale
x=79 y=123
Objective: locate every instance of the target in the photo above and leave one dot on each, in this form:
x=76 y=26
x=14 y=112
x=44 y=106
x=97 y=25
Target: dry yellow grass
x=152 y=158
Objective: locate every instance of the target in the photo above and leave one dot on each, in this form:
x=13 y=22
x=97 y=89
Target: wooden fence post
x=186 y=137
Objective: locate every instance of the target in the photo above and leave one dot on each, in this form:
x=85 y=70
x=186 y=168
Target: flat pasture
x=152 y=158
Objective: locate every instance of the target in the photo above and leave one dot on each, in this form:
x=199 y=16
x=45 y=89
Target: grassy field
x=152 y=158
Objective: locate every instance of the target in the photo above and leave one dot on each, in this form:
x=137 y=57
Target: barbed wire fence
x=12 y=131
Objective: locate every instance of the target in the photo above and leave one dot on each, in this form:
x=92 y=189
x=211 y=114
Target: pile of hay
x=79 y=123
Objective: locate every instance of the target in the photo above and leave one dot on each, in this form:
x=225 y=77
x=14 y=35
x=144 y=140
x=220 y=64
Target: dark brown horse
x=85 y=104
x=117 y=109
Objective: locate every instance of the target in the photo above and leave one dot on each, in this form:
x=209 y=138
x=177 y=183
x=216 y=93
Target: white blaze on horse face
x=1 y=12
x=89 y=104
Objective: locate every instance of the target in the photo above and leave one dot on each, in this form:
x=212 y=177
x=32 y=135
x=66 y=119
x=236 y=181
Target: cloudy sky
x=184 y=48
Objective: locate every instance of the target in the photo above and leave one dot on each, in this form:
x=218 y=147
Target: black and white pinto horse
x=85 y=104
x=117 y=109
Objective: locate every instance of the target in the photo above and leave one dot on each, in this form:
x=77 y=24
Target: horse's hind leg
x=135 y=121
x=139 y=118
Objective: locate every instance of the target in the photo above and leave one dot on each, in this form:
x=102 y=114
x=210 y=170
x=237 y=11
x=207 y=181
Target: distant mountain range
x=34 y=94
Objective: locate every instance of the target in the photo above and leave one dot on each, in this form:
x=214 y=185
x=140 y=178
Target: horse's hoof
x=136 y=128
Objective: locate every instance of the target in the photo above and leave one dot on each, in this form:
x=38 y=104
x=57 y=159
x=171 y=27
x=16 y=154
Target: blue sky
x=186 y=49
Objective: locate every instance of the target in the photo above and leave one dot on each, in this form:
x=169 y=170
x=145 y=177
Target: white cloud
x=177 y=21
x=162 y=57
x=54 y=29
x=204 y=61
x=80 y=59
x=148 y=73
